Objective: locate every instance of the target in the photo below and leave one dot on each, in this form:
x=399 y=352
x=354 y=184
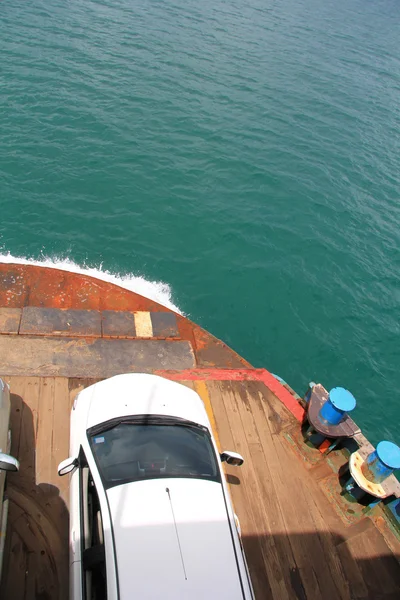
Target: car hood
x=173 y=540
x=139 y=394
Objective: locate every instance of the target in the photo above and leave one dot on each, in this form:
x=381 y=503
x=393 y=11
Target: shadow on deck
x=374 y=578
x=36 y=550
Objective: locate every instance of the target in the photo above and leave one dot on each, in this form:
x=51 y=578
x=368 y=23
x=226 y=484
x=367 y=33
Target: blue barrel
x=382 y=462
x=340 y=402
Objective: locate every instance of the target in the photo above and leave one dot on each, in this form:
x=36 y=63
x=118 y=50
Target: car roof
x=173 y=539
x=140 y=394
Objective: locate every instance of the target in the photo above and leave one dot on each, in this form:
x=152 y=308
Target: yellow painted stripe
x=143 y=325
x=201 y=389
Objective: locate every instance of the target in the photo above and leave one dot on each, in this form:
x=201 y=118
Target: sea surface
x=237 y=160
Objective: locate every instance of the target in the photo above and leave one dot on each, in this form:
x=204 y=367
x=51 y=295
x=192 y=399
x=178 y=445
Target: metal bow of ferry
x=303 y=534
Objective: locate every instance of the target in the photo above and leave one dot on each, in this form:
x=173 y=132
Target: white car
x=150 y=512
x=7 y=462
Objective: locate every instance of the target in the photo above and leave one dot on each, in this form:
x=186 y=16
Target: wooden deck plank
x=352 y=571
x=250 y=538
x=46 y=549
x=273 y=517
x=291 y=560
x=304 y=549
x=320 y=546
x=60 y=433
x=15 y=418
x=308 y=574
x=278 y=416
x=38 y=517
x=295 y=543
x=254 y=504
x=96 y=357
x=27 y=388
x=44 y=431
x=382 y=575
x=15 y=570
x=317 y=546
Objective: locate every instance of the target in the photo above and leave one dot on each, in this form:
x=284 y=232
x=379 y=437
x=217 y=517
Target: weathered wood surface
x=35 y=320
x=296 y=544
x=53 y=321
x=64 y=357
x=36 y=552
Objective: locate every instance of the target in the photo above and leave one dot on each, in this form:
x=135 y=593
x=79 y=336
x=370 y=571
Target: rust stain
x=211 y=352
x=28 y=285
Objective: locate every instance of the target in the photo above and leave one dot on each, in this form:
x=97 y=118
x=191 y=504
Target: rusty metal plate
x=118 y=324
x=9 y=320
x=98 y=358
x=54 y=321
x=164 y=324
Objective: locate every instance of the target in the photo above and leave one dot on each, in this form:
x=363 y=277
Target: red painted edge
x=262 y=375
x=212 y=373
x=283 y=395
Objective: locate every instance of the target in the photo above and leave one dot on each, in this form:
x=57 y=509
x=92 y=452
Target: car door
x=76 y=591
x=87 y=559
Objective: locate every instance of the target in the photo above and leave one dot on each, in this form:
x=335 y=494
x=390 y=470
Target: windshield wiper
x=143 y=420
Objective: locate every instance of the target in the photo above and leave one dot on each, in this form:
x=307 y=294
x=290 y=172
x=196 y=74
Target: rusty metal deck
x=301 y=538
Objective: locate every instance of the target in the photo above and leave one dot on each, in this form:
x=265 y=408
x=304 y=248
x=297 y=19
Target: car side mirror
x=8 y=463
x=232 y=458
x=67 y=465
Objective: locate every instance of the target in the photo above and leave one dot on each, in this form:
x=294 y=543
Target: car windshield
x=136 y=451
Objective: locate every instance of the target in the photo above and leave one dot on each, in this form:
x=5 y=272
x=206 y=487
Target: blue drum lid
x=342 y=399
x=389 y=454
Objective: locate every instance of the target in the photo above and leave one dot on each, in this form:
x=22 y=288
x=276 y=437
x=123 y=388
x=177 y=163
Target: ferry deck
x=60 y=332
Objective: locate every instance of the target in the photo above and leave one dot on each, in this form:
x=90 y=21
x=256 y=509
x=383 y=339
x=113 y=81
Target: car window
x=92 y=539
x=133 y=452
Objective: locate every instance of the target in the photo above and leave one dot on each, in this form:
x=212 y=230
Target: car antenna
x=177 y=534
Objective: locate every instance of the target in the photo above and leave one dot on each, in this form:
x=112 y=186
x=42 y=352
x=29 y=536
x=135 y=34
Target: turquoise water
x=247 y=154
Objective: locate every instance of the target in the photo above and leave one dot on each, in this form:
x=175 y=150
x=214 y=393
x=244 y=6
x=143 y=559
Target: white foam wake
x=154 y=290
